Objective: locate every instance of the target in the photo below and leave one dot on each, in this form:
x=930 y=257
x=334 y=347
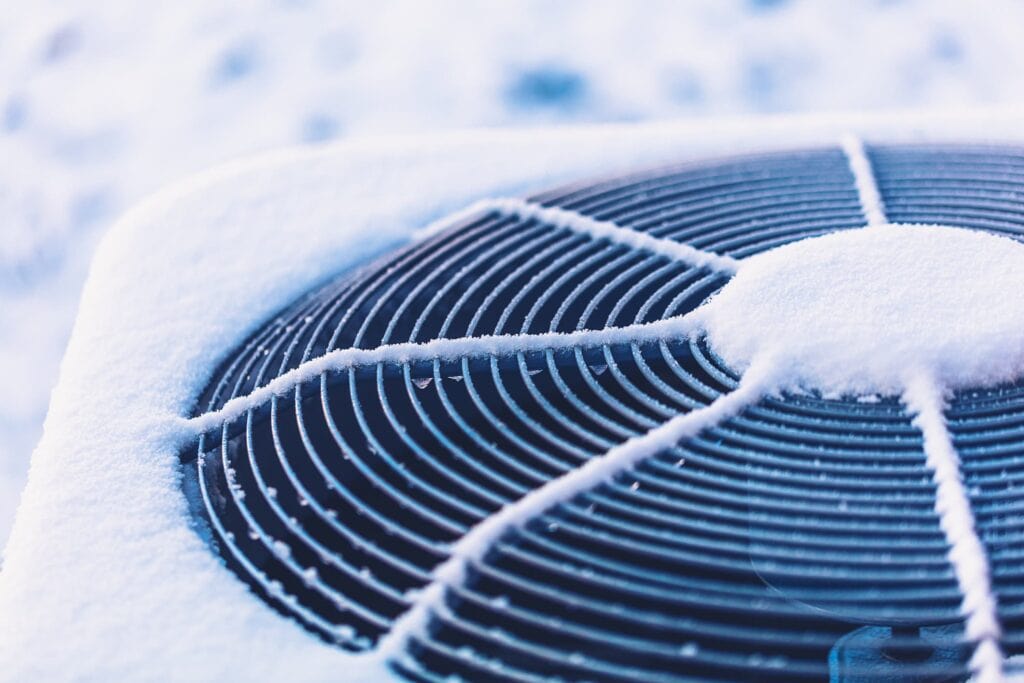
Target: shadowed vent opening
x=791 y=541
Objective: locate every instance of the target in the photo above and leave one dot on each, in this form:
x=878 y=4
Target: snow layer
x=606 y=230
x=104 y=579
x=864 y=177
x=102 y=102
x=966 y=552
x=438 y=349
x=860 y=311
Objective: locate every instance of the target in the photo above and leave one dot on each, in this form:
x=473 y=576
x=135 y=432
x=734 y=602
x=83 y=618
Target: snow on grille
x=506 y=452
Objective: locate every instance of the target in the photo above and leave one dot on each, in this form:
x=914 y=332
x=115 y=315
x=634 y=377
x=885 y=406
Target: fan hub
x=857 y=311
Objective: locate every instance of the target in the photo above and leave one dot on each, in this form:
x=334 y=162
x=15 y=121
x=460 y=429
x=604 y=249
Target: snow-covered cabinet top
x=750 y=414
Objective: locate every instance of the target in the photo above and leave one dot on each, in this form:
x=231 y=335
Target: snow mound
x=861 y=311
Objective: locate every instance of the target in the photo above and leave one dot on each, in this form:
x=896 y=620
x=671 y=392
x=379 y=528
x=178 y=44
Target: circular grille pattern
x=758 y=549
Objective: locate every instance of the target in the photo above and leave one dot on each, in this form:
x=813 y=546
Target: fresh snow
x=861 y=311
x=966 y=553
x=439 y=349
x=864 y=178
x=605 y=230
x=104 y=578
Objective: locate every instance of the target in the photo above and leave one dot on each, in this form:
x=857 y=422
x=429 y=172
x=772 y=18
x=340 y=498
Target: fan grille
x=745 y=552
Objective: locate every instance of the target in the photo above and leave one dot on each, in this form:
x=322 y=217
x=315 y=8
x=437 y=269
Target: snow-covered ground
x=104 y=102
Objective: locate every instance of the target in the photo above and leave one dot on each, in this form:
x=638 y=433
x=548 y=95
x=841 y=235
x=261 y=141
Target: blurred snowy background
x=102 y=102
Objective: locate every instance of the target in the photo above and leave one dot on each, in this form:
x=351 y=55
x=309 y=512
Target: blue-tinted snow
x=103 y=102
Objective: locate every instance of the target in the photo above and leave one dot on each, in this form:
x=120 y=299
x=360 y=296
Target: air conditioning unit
x=694 y=402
